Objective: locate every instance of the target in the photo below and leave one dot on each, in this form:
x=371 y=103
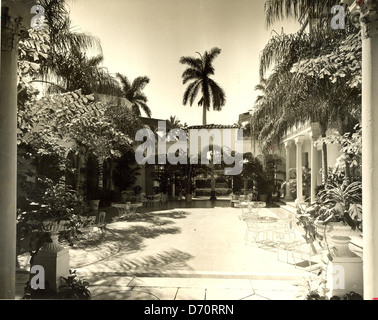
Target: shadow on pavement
x=133 y=237
x=117 y=282
x=127 y=240
x=153 y=265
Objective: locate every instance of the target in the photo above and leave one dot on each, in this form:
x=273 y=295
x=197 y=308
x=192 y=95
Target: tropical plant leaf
x=355 y=211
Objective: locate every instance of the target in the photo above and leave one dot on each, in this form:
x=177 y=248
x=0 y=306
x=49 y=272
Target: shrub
x=201 y=192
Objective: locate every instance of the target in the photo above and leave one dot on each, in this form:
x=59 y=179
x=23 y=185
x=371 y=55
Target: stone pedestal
x=345 y=275
x=56 y=265
x=344 y=272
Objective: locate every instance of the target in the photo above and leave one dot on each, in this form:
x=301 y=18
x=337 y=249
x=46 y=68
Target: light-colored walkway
x=185 y=254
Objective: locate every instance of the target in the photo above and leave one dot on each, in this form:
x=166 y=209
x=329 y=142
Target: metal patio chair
x=143 y=198
x=261 y=229
x=156 y=200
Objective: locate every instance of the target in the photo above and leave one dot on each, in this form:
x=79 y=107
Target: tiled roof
x=214 y=126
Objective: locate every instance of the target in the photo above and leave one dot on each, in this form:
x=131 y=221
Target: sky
x=148 y=37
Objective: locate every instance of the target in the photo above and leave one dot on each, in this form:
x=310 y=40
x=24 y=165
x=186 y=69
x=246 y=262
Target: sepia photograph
x=215 y=152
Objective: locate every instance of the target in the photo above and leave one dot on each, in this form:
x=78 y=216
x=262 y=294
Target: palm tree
x=63 y=39
x=133 y=93
x=199 y=72
x=66 y=67
x=76 y=71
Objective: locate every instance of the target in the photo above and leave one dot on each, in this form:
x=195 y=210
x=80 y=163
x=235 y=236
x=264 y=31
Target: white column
x=288 y=147
x=299 y=142
x=15 y=18
x=314 y=166
x=8 y=159
x=370 y=152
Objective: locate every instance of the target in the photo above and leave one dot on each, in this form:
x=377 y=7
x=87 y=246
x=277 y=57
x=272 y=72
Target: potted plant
x=56 y=209
x=341 y=203
x=94 y=199
x=336 y=215
x=73 y=288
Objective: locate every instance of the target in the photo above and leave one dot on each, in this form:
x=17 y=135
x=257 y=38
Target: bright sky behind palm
x=148 y=37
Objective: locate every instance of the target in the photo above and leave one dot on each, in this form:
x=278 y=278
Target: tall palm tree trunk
x=204 y=115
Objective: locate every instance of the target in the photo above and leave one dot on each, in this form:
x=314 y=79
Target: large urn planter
x=53 y=227
x=94 y=204
x=343 y=267
x=338 y=237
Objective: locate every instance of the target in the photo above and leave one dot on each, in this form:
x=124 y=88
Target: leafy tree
x=198 y=74
x=294 y=93
x=56 y=56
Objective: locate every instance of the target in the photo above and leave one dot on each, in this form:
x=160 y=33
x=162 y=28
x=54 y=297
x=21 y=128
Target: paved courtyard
x=185 y=253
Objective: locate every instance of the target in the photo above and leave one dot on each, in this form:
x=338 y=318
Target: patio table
x=123 y=208
x=268 y=223
x=135 y=206
x=261 y=226
x=127 y=208
x=251 y=208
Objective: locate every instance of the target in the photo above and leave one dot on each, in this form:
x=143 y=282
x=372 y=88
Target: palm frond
x=139 y=96
x=191 y=74
x=208 y=60
x=194 y=63
x=299 y=10
x=140 y=83
x=96 y=60
x=188 y=94
x=145 y=108
x=194 y=92
x=217 y=94
x=126 y=85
